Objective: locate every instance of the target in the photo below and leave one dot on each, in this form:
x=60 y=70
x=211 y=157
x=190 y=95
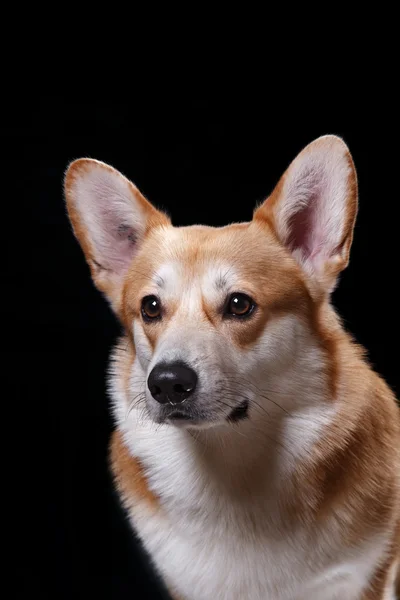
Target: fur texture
x=300 y=500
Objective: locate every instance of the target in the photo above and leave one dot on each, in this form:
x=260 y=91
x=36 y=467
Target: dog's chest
x=219 y=560
x=206 y=546
x=224 y=557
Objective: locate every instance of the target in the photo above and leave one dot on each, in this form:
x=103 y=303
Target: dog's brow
x=220 y=282
x=159 y=281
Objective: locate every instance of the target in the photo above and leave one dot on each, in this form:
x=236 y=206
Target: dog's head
x=218 y=317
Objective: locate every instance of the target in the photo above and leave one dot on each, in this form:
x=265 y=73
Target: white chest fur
x=209 y=543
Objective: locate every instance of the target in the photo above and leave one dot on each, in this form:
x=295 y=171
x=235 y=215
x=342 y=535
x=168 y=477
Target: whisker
x=134 y=403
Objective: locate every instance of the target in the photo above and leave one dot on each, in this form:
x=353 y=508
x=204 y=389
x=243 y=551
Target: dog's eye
x=239 y=305
x=151 y=308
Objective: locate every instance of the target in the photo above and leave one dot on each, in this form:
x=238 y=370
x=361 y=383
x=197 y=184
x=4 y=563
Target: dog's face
x=217 y=317
x=206 y=309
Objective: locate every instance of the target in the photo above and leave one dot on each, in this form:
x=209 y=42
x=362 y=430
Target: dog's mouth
x=239 y=413
x=178 y=415
x=182 y=416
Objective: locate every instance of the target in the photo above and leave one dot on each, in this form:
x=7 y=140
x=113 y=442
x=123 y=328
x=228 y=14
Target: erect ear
x=110 y=218
x=313 y=209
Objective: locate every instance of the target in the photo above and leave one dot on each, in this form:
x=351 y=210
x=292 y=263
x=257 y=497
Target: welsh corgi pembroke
x=256 y=452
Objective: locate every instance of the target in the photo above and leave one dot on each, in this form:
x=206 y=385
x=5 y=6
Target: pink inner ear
x=306 y=230
x=315 y=202
x=125 y=232
x=115 y=239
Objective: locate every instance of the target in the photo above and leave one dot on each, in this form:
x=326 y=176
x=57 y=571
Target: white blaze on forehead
x=207 y=281
x=175 y=284
x=211 y=280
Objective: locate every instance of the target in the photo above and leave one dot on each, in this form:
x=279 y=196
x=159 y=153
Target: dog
x=256 y=452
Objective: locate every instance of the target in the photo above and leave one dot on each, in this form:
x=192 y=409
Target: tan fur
x=352 y=473
x=129 y=475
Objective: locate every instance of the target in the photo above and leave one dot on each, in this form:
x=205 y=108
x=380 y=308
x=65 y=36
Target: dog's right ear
x=110 y=219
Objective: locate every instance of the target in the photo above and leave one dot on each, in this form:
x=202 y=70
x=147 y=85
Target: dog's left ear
x=313 y=209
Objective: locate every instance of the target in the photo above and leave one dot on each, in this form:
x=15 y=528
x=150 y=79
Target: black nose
x=173 y=382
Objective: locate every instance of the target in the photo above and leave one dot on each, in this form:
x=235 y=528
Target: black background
x=205 y=160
